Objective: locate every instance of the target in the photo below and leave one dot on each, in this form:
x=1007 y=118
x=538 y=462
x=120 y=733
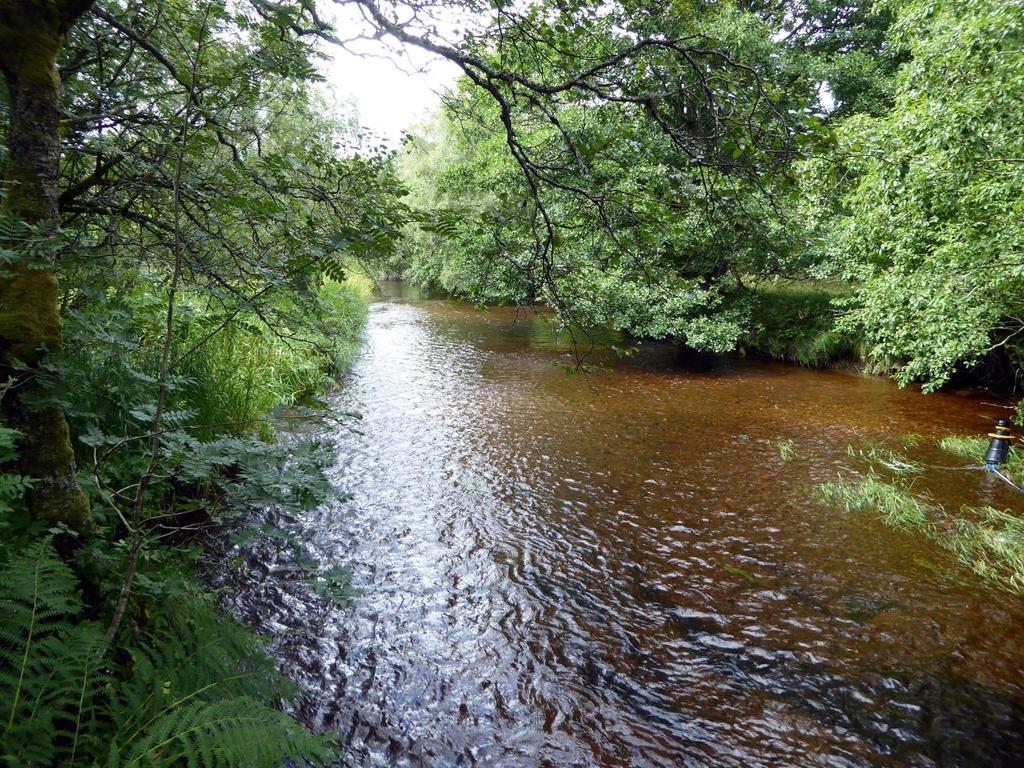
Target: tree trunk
x=30 y=327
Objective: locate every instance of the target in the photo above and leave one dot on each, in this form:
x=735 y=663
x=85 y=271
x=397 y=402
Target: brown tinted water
x=622 y=570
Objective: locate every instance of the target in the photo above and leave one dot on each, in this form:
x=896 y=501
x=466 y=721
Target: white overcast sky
x=394 y=91
x=391 y=92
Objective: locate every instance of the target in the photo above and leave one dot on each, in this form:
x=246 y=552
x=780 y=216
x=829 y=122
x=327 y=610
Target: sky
x=390 y=93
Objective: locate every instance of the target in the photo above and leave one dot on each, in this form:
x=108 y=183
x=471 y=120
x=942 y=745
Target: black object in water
x=999 y=448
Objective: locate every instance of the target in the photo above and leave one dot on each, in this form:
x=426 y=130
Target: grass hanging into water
x=988 y=541
x=895 y=504
x=991 y=543
x=969 y=446
x=795 y=321
x=973 y=448
x=246 y=370
x=893 y=461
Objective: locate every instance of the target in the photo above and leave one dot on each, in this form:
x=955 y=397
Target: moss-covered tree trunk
x=30 y=38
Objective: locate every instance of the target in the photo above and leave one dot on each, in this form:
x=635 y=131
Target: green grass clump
x=991 y=543
x=796 y=321
x=896 y=504
x=246 y=369
x=987 y=541
x=968 y=446
x=786 y=448
x=973 y=448
x=912 y=440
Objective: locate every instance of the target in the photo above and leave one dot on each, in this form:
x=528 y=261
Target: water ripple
x=620 y=571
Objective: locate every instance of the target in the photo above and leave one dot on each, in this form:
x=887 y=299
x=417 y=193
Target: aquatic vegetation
x=786 y=448
x=897 y=463
x=897 y=505
x=973 y=448
x=912 y=440
x=991 y=543
x=987 y=541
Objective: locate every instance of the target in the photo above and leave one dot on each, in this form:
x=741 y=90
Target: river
x=621 y=569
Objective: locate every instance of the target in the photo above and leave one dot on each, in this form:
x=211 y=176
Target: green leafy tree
x=931 y=224
x=842 y=45
x=645 y=213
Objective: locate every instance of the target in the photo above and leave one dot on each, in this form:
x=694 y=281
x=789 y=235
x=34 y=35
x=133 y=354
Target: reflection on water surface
x=622 y=571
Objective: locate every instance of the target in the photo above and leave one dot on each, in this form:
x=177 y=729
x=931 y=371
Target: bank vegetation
x=188 y=228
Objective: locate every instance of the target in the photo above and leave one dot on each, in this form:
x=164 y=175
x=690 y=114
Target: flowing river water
x=623 y=570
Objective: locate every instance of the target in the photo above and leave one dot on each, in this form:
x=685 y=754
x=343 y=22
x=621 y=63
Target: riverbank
x=792 y=321
x=179 y=680
x=798 y=322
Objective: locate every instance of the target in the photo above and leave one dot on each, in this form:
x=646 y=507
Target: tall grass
x=248 y=368
x=991 y=543
x=973 y=448
x=896 y=505
x=796 y=321
x=988 y=541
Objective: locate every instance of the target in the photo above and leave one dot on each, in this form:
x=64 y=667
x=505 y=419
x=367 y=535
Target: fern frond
x=199 y=689
x=37 y=596
x=47 y=665
x=63 y=692
x=233 y=733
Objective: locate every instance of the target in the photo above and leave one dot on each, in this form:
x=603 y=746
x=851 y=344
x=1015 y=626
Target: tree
x=30 y=325
x=641 y=200
x=842 y=45
x=931 y=220
x=33 y=33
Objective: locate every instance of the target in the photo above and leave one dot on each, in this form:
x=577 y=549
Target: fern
x=36 y=598
x=193 y=688
x=240 y=732
x=12 y=486
x=201 y=694
x=47 y=664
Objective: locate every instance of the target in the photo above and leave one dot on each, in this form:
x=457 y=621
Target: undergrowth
x=243 y=371
x=187 y=687
x=170 y=681
x=795 y=321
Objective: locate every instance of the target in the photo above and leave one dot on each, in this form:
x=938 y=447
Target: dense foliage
x=184 y=224
x=650 y=216
x=887 y=193
x=928 y=222
x=213 y=213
